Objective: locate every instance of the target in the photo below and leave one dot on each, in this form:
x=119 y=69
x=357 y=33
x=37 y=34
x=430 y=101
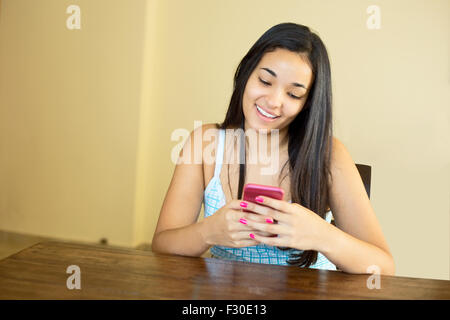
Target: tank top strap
x=219 y=153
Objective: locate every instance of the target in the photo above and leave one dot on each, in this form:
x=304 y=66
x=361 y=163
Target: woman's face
x=278 y=87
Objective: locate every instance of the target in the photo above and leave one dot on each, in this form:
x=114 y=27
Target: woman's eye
x=268 y=84
x=264 y=82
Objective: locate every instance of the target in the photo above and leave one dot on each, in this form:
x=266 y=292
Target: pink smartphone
x=251 y=191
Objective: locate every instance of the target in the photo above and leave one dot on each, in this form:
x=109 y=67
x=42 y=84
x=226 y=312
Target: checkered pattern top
x=214 y=199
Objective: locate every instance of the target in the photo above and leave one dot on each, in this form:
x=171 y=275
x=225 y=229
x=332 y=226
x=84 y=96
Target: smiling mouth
x=265 y=114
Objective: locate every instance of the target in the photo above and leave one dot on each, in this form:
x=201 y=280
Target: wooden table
x=39 y=272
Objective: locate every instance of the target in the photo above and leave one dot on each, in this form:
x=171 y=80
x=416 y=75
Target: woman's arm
x=186 y=241
x=178 y=231
x=356 y=244
x=353 y=255
x=357 y=241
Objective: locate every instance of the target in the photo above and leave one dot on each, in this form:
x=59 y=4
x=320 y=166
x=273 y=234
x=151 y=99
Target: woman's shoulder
x=213 y=127
x=204 y=139
x=196 y=142
x=339 y=153
x=209 y=133
x=207 y=128
x=336 y=143
x=342 y=164
x=204 y=132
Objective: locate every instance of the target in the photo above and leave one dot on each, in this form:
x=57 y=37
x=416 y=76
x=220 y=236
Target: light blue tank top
x=214 y=199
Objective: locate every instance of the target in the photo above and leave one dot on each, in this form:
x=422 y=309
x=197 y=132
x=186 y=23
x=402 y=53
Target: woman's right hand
x=227 y=227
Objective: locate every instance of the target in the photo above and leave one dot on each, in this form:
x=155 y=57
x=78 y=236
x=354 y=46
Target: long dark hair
x=310 y=133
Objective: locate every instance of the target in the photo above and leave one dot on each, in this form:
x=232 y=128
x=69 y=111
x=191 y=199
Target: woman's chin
x=256 y=125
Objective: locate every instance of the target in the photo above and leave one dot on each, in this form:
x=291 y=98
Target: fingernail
x=259 y=199
x=243 y=204
x=243 y=221
x=269 y=220
x=252 y=236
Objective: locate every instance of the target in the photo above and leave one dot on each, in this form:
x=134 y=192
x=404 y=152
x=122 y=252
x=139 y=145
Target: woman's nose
x=274 y=99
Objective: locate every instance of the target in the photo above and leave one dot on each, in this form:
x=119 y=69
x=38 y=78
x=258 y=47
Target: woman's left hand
x=297 y=227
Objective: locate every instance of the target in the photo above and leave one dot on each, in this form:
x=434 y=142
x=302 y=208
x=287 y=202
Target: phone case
x=251 y=191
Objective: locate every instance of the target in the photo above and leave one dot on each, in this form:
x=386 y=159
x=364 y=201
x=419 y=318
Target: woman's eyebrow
x=275 y=75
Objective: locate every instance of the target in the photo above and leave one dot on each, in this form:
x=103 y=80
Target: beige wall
x=87 y=115
x=69 y=103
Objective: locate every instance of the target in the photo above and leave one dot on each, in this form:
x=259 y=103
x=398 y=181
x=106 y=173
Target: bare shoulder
x=341 y=160
x=339 y=152
x=199 y=139
x=348 y=197
x=208 y=132
x=349 y=202
x=187 y=183
x=343 y=169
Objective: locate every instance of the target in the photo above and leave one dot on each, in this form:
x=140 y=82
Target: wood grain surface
x=39 y=272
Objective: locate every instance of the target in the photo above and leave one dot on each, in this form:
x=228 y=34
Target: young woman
x=282 y=86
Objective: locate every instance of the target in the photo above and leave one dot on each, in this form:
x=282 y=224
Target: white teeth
x=268 y=115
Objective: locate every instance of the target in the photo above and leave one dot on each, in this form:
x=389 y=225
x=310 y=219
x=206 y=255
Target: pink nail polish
x=252 y=236
x=243 y=221
x=259 y=199
x=269 y=220
x=243 y=204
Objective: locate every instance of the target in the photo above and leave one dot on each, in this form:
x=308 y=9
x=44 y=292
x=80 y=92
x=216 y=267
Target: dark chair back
x=365 y=172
